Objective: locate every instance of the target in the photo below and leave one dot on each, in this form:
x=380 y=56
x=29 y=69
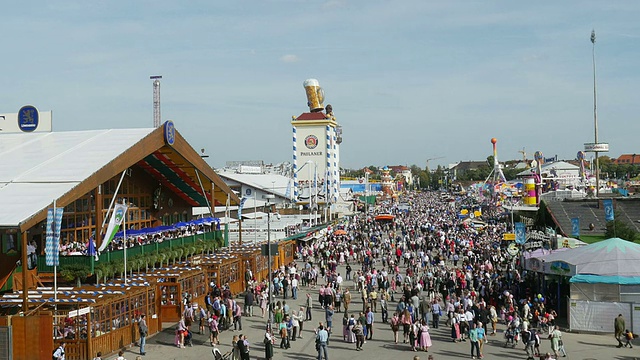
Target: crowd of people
x=425 y=270
x=80 y=248
x=437 y=269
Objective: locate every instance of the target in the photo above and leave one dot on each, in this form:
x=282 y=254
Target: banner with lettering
x=521 y=236
x=608 y=209
x=575 y=227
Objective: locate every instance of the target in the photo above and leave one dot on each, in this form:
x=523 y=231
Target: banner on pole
x=244 y=200
x=52 y=244
x=119 y=211
x=608 y=209
x=521 y=236
x=575 y=227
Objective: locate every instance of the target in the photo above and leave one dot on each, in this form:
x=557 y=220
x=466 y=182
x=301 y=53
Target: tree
x=620 y=229
x=75 y=272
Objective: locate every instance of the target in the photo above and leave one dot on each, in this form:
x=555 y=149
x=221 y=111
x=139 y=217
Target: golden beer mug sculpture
x=315 y=95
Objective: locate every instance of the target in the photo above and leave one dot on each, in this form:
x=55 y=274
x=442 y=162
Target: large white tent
x=605 y=281
x=611 y=261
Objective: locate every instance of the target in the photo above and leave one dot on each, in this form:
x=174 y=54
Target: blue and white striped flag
x=287 y=193
x=52 y=246
x=242 y=201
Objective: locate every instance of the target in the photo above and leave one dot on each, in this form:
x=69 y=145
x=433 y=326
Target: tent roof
x=612 y=257
x=596 y=279
x=276 y=184
x=40 y=167
x=556 y=165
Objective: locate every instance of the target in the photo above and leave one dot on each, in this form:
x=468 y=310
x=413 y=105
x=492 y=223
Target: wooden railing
x=131 y=252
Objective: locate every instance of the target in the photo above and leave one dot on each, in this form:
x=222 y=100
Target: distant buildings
x=627 y=159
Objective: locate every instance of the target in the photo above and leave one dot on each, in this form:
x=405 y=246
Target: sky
x=408 y=80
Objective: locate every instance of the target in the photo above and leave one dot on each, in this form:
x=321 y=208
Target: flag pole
x=255 y=217
x=106 y=215
x=93 y=264
x=124 y=236
x=55 y=263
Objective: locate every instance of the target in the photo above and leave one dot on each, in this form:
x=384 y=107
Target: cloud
x=290 y=58
x=334 y=4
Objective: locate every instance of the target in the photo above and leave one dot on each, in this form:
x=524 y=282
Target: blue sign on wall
x=28 y=118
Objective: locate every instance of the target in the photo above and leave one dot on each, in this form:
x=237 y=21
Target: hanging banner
x=244 y=200
x=52 y=244
x=575 y=227
x=608 y=209
x=521 y=236
x=119 y=210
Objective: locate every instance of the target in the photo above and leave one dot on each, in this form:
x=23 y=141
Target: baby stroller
x=217 y=355
x=188 y=338
x=511 y=336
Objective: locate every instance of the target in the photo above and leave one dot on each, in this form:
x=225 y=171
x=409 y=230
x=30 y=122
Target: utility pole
x=595 y=112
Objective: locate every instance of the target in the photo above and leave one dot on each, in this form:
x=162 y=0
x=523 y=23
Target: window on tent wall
x=79 y=218
x=137 y=199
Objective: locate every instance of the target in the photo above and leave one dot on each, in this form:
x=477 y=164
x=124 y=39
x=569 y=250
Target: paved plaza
x=578 y=346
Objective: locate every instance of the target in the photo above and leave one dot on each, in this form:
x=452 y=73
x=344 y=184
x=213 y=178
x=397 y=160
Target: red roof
x=398 y=168
x=312 y=116
x=633 y=159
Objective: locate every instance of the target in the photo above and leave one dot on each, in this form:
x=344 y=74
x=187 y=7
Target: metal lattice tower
x=156 y=100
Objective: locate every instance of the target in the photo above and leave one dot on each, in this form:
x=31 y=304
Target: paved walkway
x=578 y=346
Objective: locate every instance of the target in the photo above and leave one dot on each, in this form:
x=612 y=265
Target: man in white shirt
x=294 y=287
x=339 y=281
x=59 y=353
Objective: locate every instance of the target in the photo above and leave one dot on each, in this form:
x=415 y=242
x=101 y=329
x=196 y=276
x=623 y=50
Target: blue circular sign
x=169 y=132
x=28 y=118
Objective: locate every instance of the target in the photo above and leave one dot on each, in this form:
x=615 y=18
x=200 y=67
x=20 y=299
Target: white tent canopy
x=613 y=261
x=39 y=167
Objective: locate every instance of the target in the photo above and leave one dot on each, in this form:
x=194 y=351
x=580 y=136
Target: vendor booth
x=224 y=268
x=174 y=285
x=88 y=319
x=604 y=282
x=286 y=252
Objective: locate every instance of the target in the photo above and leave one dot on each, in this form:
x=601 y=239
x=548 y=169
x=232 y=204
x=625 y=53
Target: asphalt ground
x=382 y=346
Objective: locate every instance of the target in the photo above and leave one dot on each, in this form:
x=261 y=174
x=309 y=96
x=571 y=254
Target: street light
x=268 y=197
x=595 y=113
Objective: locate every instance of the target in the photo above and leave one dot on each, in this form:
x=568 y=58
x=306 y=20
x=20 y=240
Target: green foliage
x=118 y=268
x=609 y=169
x=620 y=229
x=75 y=272
x=104 y=271
x=542 y=215
x=590 y=239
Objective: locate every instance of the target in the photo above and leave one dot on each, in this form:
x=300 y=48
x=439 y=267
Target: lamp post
x=595 y=113
x=366 y=194
x=255 y=216
x=268 y=197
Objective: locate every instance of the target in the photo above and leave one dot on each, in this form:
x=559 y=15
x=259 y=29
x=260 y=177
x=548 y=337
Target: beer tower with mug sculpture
x=316 y=147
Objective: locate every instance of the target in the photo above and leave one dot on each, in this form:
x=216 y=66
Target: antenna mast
x=156 y=99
